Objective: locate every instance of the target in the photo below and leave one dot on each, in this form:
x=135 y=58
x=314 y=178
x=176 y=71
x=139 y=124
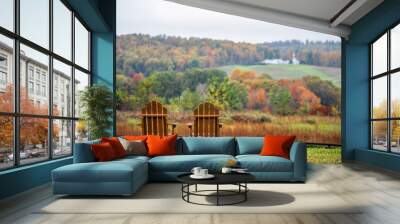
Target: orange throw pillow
x=161 y=146
x=135 y=137
x=103 y=152
x=116 y=145
x=277 y=146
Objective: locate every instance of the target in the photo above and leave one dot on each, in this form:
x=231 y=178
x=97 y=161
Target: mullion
x=73 y=80
x=50 y=86
x=389 y=100
x=16 y=69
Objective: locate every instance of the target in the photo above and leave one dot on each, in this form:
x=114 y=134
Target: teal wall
x=355 y=89
x=100 y=16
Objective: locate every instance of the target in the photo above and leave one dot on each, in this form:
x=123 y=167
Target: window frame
x=388 y=74
x=16 y=114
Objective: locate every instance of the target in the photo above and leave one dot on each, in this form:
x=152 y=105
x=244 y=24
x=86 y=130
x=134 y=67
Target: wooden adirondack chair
x=206 y=121
x=154 y=119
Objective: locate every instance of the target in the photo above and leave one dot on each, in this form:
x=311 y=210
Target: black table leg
x=217 y=194
x=245 y=193
x=195 y=188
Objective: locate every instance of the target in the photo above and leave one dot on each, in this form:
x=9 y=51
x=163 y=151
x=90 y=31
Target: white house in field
x=279 y=61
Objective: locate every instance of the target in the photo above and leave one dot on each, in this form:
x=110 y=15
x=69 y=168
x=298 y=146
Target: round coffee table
x=238 y=179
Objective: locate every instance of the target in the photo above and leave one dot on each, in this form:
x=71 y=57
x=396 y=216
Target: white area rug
x=166 y=198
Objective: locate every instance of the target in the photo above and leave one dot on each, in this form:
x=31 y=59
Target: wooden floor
x=379 y=190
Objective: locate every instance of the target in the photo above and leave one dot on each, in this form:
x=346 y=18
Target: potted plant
x=96 y=102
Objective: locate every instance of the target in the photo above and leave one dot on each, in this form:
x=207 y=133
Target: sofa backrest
x=249 y=145
x=206 y=145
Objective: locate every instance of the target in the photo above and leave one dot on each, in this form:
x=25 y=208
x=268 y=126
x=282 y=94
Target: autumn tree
x=33 y=131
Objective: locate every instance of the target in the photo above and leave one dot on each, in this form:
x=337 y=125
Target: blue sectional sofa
x=125 y=176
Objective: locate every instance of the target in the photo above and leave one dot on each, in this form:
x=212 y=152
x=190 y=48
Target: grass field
x=291 y=71
x=321 y=155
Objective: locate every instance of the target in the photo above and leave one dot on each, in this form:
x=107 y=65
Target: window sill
x=30 y=166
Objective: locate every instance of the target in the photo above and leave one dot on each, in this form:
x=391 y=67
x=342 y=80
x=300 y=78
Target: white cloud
x=156 y=17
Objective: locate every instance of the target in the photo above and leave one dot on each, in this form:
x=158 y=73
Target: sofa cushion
x=116 y=145
x=277 y=145
x=257 y=163
x=103 y=152
x=249 y=145
x=185 y=163
x=208 y=145
x=134 y=147
x=112 y=171
x=161 y=145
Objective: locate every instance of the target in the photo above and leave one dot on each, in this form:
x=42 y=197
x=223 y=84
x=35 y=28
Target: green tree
x=325 y=90
x=165 y=84
x=279 y=100
x=226 y=94
x=236 y=95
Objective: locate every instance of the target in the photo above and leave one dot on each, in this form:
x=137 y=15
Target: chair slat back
x=206 y=120
x=154 y=119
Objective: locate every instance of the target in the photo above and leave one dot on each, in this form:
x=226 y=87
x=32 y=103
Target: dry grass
x=316 y=129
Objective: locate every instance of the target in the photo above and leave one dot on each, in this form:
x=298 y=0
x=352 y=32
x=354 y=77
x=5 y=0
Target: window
x=6 y=74
x=44 y=91
x=46 y=76
x=81 y=45
x=38 y=89
x=385 y=94
x=7 y=14
x=62 y=137
x=30 y=88
x=30 y=72
x=34 y=21
x=62 y=29
x=62 y=74
x=81 y=82
x=3 y=78
x=7 y=142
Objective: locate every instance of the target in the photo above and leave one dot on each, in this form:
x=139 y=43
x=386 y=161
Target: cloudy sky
x=156 y=17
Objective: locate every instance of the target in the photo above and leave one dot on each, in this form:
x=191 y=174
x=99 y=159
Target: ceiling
x=333 y=17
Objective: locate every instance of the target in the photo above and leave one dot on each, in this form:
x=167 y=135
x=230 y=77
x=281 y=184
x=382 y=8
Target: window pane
x=395 y=136
x=34 y=97
x=379 y=55
x=62 y=138
x=6 y=74
x=7 y=14
x=395 y=94
x=62 y=29
x=62 y=89
x=379 y=135
x=33 y=140
x=395 y=47
x=379 y=97
x=81 y=131
x=6 y=142
x=81 y=82
x=35 y=21
x=81 y=45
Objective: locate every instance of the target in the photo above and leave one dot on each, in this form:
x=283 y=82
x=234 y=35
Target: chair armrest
x=298 y=155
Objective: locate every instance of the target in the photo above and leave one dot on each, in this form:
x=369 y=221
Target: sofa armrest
x=83 y=152
x=298 y=155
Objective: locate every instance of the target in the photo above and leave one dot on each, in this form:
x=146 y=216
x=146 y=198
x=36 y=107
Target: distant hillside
x=291 y=71
x=138 y=53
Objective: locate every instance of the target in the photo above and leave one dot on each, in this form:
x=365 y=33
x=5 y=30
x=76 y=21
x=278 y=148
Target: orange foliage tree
x=33 y=130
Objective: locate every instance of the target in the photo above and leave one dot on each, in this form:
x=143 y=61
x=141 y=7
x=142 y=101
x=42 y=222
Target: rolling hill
x=289 y=71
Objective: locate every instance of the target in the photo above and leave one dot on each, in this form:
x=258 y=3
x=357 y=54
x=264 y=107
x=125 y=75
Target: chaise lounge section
x=125 y=176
